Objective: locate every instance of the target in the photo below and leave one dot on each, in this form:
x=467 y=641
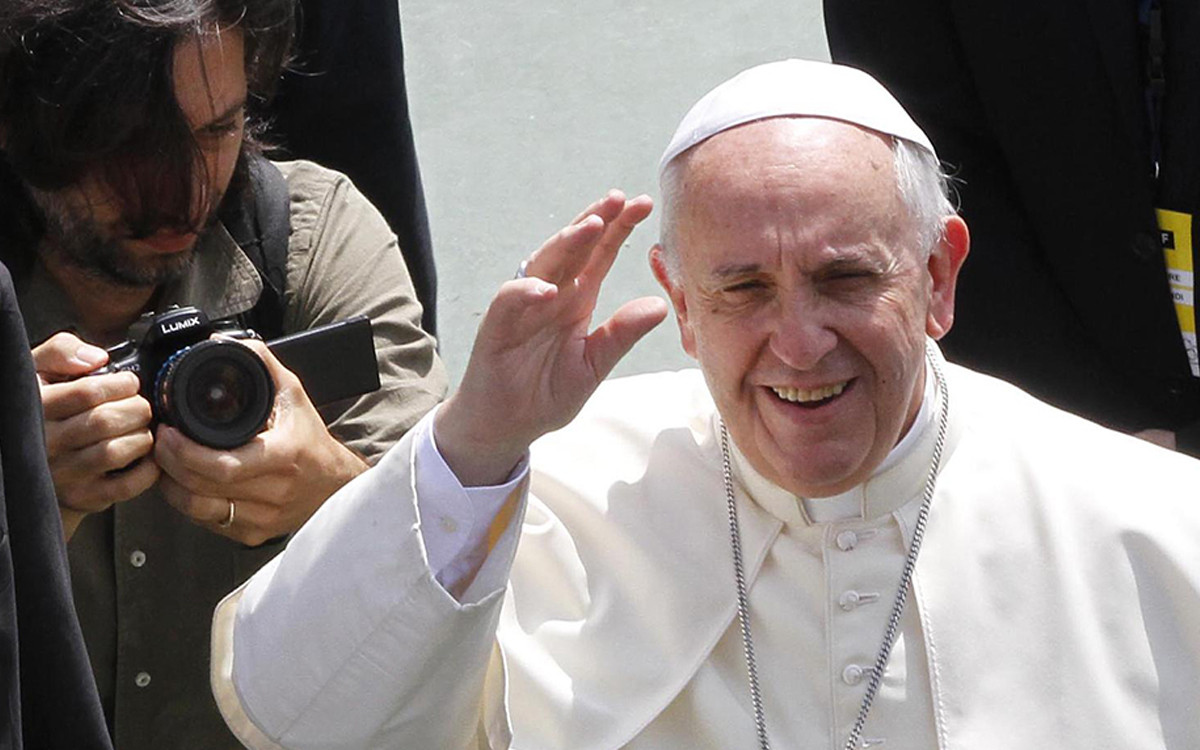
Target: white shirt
x=835 y=629
x=1047 y=610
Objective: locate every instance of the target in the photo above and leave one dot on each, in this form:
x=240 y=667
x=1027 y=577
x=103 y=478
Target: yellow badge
x=1177 y=246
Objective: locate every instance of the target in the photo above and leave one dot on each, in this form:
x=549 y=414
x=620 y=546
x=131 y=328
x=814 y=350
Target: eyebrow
x=730 y=270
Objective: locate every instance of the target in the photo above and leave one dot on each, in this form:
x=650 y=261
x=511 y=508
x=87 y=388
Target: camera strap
x=261 y=226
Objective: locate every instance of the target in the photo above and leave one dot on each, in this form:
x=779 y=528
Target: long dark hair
x=86 y=88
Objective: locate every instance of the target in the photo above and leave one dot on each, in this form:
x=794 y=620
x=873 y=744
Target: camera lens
x=218 y=393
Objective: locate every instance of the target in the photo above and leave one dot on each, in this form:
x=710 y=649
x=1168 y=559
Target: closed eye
x=225 y=124
x=219 y=129
x=745 y=286
x=849 y=275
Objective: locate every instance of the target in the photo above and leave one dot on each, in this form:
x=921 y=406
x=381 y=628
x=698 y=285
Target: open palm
x=535 y=362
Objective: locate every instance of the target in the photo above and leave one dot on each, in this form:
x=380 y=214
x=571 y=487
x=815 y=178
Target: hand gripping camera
x=220 y=393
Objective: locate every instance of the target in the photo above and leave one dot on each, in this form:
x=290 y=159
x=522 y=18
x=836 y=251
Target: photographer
x=129 y=165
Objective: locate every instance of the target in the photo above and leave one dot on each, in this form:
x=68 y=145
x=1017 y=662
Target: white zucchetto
x=795 y=88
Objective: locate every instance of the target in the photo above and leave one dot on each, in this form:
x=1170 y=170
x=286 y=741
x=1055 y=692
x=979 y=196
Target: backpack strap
x=260 y=223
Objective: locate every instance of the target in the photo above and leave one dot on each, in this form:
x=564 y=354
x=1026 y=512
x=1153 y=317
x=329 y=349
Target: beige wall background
x=527 y=110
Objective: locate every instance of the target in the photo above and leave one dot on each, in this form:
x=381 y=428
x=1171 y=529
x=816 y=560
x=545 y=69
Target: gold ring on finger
x=228 y=519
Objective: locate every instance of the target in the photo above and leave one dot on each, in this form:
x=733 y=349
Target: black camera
x=218 y=392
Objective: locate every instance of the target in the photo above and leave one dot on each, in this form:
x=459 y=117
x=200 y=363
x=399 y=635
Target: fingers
x=282 y=376
x=207 y=470
x=606 y=208
x=65 y=355
x=589 y=242
x=562 y=257
x=108 y=420
x=534 y=364
x=517 y=302
x=206 y=502
x=93 y=493
x=616 y=232
x=94 y=427
x=94 y=461
x=205 y=510
x=269 y=454
x=613 y=340
x=64 y=400
x=276 y=480
x=212 y=513
x=251 y=523
x=289 y=391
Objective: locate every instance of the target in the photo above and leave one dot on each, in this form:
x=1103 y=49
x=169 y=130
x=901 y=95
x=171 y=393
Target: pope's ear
x=945 y=261
x=674 y=289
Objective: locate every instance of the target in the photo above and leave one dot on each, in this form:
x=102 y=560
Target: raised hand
x=535 y=363
x=267 y=487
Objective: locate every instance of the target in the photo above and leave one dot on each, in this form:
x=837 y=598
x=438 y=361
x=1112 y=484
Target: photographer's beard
x=74 y=236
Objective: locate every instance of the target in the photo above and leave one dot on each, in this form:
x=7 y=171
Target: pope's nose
x=802 y=337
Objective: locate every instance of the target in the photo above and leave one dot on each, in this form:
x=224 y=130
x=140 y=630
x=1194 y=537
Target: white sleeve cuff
x=455 y=520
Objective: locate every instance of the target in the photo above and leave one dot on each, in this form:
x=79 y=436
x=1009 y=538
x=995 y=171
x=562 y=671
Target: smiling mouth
x=811 y=398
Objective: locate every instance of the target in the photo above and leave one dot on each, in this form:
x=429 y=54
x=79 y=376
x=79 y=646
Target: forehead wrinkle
x=762 y=169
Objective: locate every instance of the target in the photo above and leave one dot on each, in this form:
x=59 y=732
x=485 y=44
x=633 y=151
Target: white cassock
x=1056 y=601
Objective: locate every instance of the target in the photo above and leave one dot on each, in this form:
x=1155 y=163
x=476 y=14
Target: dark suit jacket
x=345 y=106
x=49 y=697
x=1039 y=107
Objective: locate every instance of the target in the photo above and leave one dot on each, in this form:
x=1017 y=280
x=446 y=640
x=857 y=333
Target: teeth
x=802 y=396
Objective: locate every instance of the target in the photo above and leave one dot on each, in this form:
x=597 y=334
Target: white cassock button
x=846 y=540
x=137 y=558
x=853 y=674
x=449 y=525
x=142 y=679
x=851 y=599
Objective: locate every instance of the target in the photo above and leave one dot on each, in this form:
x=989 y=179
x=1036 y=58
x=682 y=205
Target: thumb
x=617 y=335
x=64 y=355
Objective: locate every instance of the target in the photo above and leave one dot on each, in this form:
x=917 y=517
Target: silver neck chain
x=910 y=562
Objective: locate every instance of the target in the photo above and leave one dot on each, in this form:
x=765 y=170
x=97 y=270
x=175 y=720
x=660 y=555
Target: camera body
x=218 y=392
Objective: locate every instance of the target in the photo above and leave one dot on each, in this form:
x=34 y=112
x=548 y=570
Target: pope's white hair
x=924 y=187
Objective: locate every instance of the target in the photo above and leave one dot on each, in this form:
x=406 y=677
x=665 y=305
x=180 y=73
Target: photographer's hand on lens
x=97 y=429
x=535 y=363
x=276 y=481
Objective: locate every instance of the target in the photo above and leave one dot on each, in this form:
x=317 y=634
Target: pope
x=826 y=536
